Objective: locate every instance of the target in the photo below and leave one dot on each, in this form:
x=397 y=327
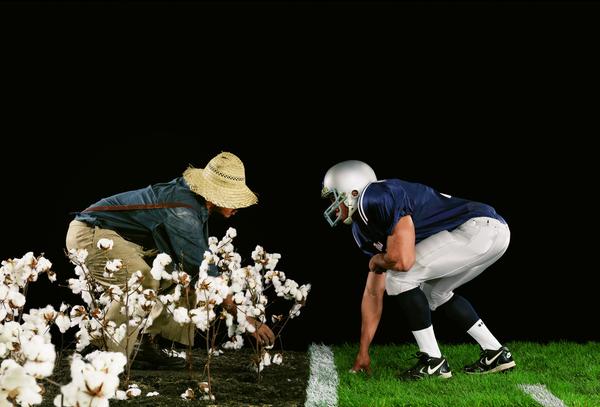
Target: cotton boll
x=15 y=381
x=237 y=342
x=119 y=333
x=188 y=394
x=133 y=391
x=87 y=298
x=180 y=315
x=105 y=244
x=51 y=276
x=4 y=291
x=78 y=256
x=62 y=322
x=83 y=339
x=277 y=359
x=39 y=369
x=266 y=359
x=295 y=311
x=16 y=299
x=43 y=265
x=76 y=285
x=162 y=259
x=231 y=233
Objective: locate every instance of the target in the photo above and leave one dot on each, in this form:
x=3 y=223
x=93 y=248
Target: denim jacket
x=181 y=232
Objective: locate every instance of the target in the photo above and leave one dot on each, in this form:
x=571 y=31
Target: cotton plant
x=25 y=342
x=28 y=354
x=284 y=287
x=196 y=299
x=246 y=286
x=136 y=303
x=249 y=287
x=15 y=276
x=203 y=298
x=28 y=357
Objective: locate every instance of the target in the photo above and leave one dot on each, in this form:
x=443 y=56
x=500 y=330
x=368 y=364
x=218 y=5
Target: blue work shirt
x=181 y=232
x=383 y=203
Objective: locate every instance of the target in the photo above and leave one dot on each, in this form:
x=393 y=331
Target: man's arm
x=371 y=308
x=400 y=255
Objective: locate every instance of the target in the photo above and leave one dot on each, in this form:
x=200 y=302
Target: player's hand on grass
x=263 y=334
x=362 y=363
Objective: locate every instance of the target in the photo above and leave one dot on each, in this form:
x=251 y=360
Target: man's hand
x=362 y=363
x=263 y=334
x=374 y=267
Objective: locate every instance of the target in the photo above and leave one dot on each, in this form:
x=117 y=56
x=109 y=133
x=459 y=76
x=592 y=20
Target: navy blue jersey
x=383 y=203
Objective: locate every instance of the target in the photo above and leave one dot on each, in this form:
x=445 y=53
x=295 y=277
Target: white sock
x=427 y=343
x=483 y=336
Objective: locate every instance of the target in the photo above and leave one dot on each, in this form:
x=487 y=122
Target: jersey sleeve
x=362 y=245
x=384 y=204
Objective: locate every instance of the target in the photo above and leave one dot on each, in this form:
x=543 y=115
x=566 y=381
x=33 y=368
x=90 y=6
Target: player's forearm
x=371 y=308
x=385 y=261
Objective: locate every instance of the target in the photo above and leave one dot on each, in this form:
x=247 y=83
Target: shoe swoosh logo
x=490 y=361
x=432 y=371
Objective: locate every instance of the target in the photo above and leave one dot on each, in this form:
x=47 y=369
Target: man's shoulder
x=176 y=189
x=186 y=202
x=378 y=192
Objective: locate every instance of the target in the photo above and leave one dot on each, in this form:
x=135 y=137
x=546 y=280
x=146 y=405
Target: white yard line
x=542 y=395
x=323 y=381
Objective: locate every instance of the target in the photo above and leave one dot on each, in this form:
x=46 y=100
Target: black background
x=488 y=102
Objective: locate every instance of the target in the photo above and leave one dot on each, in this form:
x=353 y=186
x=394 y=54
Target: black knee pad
x=414 y=306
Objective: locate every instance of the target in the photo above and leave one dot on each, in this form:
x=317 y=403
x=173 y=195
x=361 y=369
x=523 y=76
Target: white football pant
x=447 y=260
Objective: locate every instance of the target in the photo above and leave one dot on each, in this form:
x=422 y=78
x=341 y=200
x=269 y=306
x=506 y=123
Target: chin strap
x=352 y=206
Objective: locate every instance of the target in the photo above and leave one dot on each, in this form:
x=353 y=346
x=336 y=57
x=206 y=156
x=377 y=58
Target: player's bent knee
x=437 y=299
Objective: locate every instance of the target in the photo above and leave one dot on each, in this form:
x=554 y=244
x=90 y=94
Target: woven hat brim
x=236 y=197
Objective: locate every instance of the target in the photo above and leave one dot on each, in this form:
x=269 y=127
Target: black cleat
x=491 y=361
x=427 y=366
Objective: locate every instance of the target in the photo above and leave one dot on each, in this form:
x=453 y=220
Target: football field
x=555 y=374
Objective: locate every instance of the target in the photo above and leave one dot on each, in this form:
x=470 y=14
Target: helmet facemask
x=333 y=214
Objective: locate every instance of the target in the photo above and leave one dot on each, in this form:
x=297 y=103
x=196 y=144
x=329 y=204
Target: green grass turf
x=570 y=371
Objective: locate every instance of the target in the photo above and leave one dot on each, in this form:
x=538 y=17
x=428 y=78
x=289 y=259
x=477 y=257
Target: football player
x=422 y=245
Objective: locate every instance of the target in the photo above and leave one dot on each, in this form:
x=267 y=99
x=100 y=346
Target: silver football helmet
x=343 y=183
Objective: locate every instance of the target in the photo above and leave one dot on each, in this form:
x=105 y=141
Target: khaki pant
x=82 y=236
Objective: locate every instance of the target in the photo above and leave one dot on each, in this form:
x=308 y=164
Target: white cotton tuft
x=105 y=244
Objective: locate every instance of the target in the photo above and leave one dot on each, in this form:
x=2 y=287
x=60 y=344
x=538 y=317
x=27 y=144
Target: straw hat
x=222 y=182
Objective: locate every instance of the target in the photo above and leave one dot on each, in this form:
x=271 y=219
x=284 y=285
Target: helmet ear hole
x=354 y=193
